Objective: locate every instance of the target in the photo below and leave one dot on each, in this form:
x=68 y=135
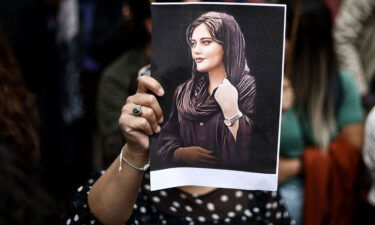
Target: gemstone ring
x=137 y=110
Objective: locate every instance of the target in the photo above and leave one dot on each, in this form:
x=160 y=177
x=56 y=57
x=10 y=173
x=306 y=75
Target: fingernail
x=157 y=130
x=161 y=92
x=161 y=120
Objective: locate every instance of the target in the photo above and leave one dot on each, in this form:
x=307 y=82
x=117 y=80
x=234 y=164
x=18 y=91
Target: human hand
x=196 y=156
x=288 y=94
x=137 y=128
x=226 y=96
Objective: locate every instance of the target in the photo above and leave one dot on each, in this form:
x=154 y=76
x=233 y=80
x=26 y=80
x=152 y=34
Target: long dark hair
x=18 y=113
x=224 y=30
x=22 y=199
x=312 y=65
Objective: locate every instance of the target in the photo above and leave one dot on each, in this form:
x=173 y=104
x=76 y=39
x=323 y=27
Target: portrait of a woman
x=212 y=113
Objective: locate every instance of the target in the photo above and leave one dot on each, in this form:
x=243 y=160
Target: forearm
x=234 y=128
x=112 y=197
x=354 y=134
x=229 y=113
x=289 y=168
x=242 y=128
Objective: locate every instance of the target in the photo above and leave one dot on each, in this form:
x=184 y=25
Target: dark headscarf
x=192 y=97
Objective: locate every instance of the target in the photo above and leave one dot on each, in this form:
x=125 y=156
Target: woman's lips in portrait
x=199 y=59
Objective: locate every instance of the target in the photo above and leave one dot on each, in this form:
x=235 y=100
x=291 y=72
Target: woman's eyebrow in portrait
x=202 y=38
x=193 y=41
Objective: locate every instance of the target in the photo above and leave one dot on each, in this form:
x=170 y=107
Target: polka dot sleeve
x=270 y=208
x=79 y=212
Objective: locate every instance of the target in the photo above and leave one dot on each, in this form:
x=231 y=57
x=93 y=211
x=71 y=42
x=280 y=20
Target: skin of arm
x=108 y=193
x=354 y=134
x=226 y=96
x=289 y=168
x=112 y=197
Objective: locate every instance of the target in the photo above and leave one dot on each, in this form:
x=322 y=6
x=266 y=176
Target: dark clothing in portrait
x=196 y=119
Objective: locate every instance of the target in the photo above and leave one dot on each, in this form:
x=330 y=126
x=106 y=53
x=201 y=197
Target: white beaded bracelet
x=122 y=158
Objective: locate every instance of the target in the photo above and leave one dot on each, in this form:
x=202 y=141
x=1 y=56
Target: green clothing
x=296 y=132
x=118 y=82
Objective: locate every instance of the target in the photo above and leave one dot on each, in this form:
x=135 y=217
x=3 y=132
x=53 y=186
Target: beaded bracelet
x=122 y=158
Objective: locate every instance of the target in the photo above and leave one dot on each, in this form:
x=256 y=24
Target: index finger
x=203 y=150
x=209 y=157
x=147 y=83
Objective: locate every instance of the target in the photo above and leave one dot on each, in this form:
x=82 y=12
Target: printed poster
x=221 y=66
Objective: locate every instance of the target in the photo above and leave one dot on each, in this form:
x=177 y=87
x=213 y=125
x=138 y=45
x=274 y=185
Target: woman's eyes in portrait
x=203 y=42
x=193 y=44
x=206 y=42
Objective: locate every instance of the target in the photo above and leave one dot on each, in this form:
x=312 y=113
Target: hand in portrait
x=196 y=156
x=226 y=96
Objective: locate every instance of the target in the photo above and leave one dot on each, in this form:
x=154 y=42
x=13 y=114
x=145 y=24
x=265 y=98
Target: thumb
x=226 y=81
x=146 y=83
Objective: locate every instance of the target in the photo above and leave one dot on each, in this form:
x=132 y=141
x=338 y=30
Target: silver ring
x=137 y=110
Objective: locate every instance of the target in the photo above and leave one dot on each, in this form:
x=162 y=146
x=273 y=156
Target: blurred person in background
x=355 y=46
x=120 y=78
x=23 y=201
x=30 y=28
x=117 y=27
x=355 y=42
x=321 y=129
x=44 y=36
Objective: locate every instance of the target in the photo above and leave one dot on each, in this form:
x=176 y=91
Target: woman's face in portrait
x=207 y=53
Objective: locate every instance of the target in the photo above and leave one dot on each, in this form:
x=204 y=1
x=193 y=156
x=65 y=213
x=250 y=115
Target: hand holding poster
x=221 y=66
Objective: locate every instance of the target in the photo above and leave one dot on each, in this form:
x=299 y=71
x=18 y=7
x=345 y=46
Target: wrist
x=231 y=112
x=230 y=121
x=133 y=161
x=176 y=154
x=299 y=167
x=135 y=155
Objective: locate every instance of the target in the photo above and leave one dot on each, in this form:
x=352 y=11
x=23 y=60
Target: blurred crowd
x=67 y=66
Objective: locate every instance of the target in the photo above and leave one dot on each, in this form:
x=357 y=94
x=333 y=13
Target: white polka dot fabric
x=172 y=206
